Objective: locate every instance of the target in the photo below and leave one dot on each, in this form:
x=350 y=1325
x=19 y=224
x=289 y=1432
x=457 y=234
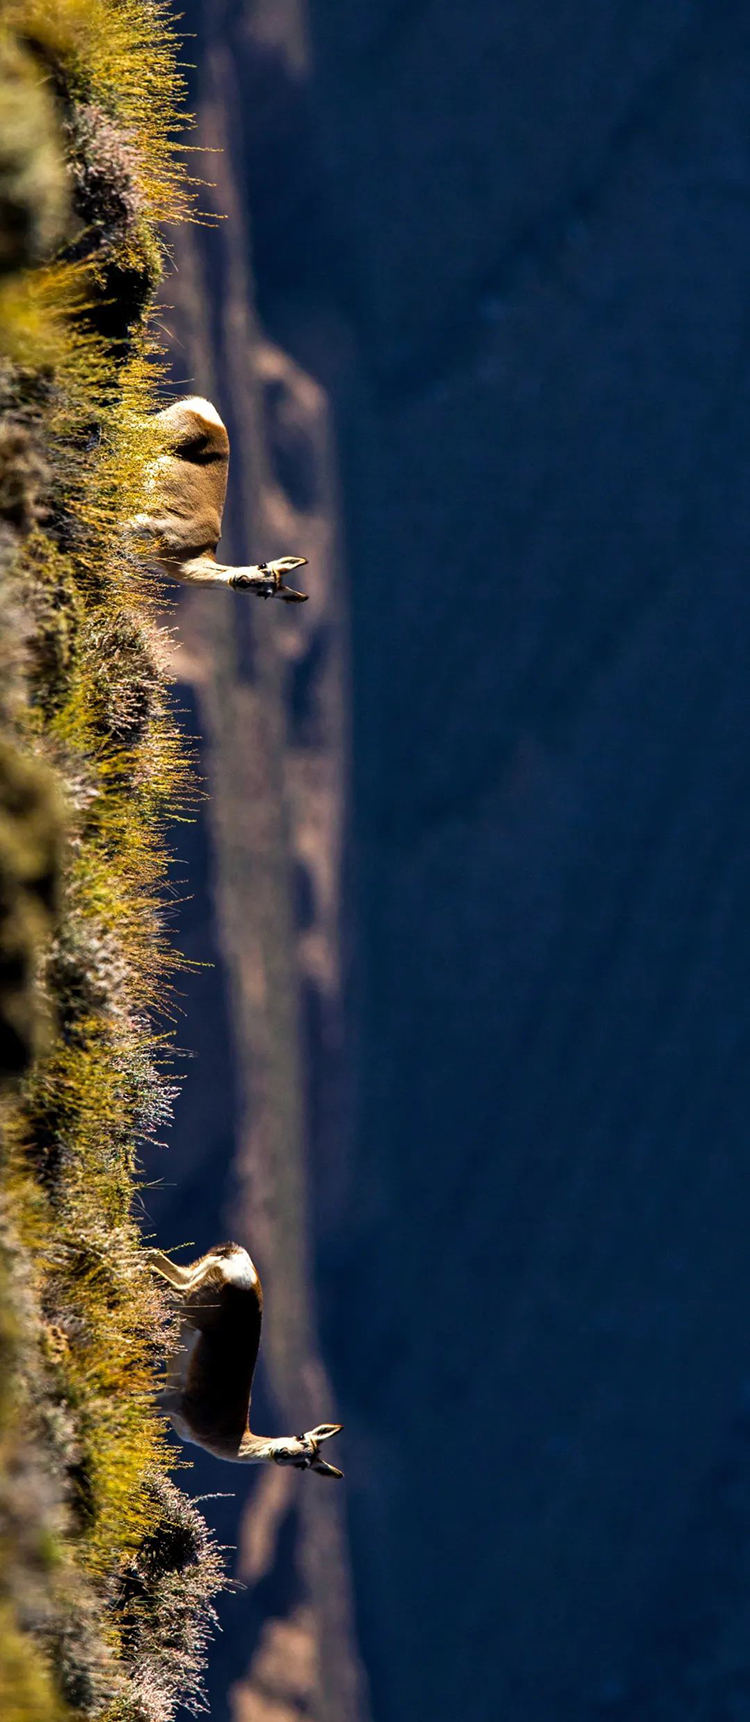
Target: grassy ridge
x=108 y=1572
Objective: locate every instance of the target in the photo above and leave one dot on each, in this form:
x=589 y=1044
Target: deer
x=180 y=527
x=220 y=1300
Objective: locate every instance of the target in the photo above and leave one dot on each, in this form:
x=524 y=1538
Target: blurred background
x=470 y=1073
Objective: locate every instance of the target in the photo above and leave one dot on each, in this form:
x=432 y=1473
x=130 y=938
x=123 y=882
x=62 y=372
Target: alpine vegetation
x=108 y=1572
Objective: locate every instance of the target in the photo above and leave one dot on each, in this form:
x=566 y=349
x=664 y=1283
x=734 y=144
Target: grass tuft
x=107 y=1572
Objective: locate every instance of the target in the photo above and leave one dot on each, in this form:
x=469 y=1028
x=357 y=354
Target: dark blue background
x=512 y=238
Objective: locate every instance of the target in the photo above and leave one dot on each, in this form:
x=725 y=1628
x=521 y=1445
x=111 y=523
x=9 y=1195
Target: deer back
x=215 y=1395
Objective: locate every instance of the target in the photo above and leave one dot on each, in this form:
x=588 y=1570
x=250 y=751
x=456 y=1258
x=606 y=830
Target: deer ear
x=287 y=564
x=325 y=1470
x=326 y=1431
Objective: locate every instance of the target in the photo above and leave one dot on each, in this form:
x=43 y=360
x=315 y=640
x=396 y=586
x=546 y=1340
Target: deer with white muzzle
x=220 y=1300
x=180 y=527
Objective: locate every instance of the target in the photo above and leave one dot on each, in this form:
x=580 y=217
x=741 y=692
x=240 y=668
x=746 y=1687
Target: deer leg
x=187 y=1279
x=179 y=1278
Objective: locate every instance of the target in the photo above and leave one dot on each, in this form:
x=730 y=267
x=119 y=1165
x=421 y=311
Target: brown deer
x=208 y=1396
x=180 y=527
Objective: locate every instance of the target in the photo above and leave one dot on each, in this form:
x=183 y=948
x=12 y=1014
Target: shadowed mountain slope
x=512 y=247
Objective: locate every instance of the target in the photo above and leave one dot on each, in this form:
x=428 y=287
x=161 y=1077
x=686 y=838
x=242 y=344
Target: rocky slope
x=258 y=1125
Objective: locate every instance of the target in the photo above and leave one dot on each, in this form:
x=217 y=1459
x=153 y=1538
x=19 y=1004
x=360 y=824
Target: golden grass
x=92 y=703
x=124 y=54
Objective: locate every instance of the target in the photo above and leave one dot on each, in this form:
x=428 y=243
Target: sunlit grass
x=79 y=377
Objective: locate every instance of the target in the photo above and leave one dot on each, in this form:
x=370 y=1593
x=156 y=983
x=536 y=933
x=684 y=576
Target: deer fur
x=180 y=527
x=220 y=1300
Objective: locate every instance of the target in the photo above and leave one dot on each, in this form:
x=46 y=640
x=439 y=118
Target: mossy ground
x=108 y=1572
